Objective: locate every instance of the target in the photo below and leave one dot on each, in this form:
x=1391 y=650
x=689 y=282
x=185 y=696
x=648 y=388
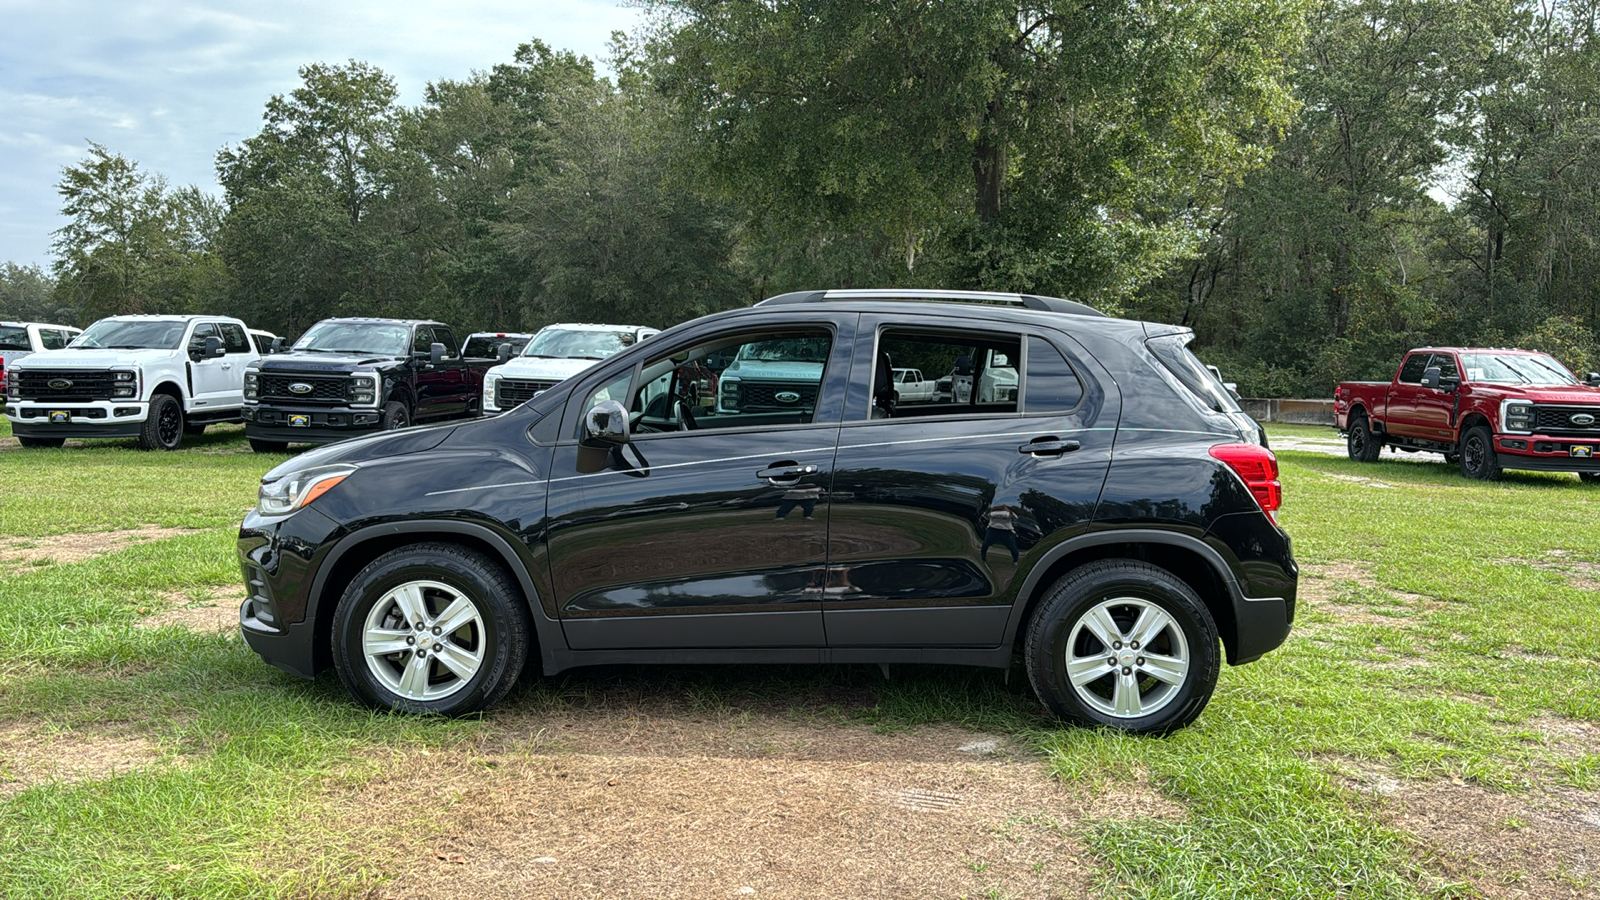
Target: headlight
x=297 y=489
x=730 y=394
x=491 y=383
x=362 y=390
x=1517 y=415
x=124 y=384
x=252 y=385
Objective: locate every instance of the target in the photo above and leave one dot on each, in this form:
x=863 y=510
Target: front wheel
x=1361 y=444
x=163 y=428
x=1124 y=644
x=1478 y=459
x=395 y=416
x=430 y=628
x=1589 y=477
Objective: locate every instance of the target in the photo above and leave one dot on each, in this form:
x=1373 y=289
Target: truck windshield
x=564 y=343
x=13 y=338
x=130 y=335
x=1516 y=368
x=363 y=338
x=799 y=349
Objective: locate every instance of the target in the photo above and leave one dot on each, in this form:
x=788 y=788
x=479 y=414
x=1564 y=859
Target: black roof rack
x=996 y=298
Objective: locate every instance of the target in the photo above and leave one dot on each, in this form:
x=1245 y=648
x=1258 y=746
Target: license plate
x=299 y=421
x=60 y=417
x=1581 y=451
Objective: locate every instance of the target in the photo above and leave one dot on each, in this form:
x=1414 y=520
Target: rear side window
x=1411 y=372
x=1173 y=352
x=233 y=338
x=14 y=338
x=963 y=372
x=1051 y=385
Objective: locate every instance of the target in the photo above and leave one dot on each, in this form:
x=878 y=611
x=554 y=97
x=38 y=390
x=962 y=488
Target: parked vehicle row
x=555 y=354
x=1485 y=409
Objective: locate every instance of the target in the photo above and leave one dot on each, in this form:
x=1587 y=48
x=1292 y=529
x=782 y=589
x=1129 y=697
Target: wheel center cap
x=424 y=641
x=1127 y=658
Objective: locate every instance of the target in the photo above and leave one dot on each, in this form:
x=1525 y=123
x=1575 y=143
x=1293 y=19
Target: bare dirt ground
x=22 y=553
x=31 y=756
x=217 y=610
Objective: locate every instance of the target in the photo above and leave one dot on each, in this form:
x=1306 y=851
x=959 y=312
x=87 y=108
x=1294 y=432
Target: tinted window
x=1051 y=384
x=753 y=381
x=446 y=337
x=1447 y=366
x=422 y=341
x=13 y=337
x=1173 y=352
x=969 y=370
x=234 y=339
x=197 y=341
x=1415 y=365
x=487 y=346
x=263 y=343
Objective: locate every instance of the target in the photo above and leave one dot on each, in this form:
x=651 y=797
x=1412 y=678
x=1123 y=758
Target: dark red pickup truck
x=1485 y=409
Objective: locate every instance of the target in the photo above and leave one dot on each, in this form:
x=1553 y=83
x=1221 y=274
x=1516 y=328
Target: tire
x=395 y=416
x=1589 y=477
x=1117 y=599
x=260 y=446
x=1360 y=442
x=1478 y=459
x=163 y=427
x=39 y=443
x=382 y=607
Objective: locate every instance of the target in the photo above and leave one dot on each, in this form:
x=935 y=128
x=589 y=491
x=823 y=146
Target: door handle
x=1048 y=447
x=785 y=472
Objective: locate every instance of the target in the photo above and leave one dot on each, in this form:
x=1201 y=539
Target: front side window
x=197 y=341
x=750 y=381
x=1415 y=365
x=51 y=339
x=423 y=341
x=1447 y=367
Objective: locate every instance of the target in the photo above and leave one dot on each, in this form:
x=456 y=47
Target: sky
x=168 y=84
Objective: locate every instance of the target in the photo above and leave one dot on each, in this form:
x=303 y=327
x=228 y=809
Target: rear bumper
x=1538 y=453
x=324 y=424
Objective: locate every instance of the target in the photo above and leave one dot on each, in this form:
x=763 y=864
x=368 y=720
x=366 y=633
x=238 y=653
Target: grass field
x=1431 y=729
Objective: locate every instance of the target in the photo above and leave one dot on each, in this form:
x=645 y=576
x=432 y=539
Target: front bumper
x=1540 y=453
x=321 y=424
x=77 y=418
x=279 y=558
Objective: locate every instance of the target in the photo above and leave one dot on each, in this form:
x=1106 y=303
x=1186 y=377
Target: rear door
x=937 y=507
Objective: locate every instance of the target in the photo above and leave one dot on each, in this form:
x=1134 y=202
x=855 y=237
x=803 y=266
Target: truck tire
x=163 y=427
x=1589 y=477
x=395 y=416
x=1123 y=644
x=430 y=628
x=1360 y=442
x=1478 y=459
x=41 y=443
x=259 y=446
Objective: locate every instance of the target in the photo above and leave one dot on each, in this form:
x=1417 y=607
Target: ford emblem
x=59 y=384
x=1581 y=419
x=786 y=397
x=300 y=387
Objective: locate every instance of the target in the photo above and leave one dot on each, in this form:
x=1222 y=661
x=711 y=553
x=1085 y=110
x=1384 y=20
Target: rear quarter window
x=1173 y=352
x=14 y=338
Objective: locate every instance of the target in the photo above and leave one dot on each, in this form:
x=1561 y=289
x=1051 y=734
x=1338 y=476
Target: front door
x=709 y=527
x=212 y=380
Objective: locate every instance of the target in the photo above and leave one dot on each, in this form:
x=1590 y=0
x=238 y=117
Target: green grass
x=1474 y=622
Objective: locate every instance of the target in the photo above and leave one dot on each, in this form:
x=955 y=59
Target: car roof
x=1480 y=350
x=164 y=317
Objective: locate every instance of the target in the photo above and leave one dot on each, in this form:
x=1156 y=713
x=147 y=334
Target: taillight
x=1257 y=467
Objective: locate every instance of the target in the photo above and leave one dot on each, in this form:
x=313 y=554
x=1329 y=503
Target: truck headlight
x=293 y=491
x=1517 y=415
x=362 y=390
x=252 y=385
x=13 y=388
x=491 y=384
x=729 y=398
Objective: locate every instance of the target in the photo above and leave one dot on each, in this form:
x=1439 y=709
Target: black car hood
x=360 y=450
x=296 y=361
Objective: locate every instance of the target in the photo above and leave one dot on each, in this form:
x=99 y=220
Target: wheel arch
x=361 y=547
x=1189 y=559
x=1474 y=419
x=170 y=388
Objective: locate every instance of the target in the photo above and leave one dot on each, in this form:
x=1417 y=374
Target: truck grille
x=69 y=384
x=1557 y=421
x=764 y=395
x=511 y=393
x=324 y=388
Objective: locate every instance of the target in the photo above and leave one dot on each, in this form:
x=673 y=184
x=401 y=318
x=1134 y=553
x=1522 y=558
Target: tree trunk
x=988 y=166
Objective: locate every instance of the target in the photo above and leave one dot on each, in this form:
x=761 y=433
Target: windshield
x=1516 y=368
x=487 y=346
x=562 y=343
x=799 y=349
x=126 y=335
x=13 y=338
x=360 y=338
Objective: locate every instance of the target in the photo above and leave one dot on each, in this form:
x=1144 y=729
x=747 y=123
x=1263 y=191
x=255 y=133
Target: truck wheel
x=41 y=443
x=260 y=446
x=1478 y=459
x=395 y=416
x=1361 y=444
x=430 y=628
x=163 y=429
x=1124 y=644
x=1589 y=477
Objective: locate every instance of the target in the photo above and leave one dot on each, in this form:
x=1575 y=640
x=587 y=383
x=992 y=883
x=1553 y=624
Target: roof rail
x=996 y=298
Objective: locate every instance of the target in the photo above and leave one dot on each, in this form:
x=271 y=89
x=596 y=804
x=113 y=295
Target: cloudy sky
x=168 y=84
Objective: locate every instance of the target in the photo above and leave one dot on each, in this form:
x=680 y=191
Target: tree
x=26 y=296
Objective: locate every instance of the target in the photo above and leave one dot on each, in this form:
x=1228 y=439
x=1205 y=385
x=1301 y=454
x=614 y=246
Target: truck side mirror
x=1430 y=377
x=607 y=423
x=213 y=348
x=1592 y=379
x=436 y=353
x=503 y=352
x=277 y=346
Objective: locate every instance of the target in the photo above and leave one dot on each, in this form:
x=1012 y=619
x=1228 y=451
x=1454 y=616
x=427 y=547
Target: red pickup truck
x=1486 y=409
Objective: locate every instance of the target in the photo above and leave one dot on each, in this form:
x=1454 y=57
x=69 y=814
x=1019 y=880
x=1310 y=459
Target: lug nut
x=1127 y=671
x=411 y=640
x=419 y=626
x=1111 y=660
x=436 y=631
x=1139 y=661
x=1116 y=645
x=1134 y=645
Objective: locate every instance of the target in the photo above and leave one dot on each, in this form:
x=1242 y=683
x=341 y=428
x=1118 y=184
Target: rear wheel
x=41 y=443
x=430 y=628
x=1124 y=644
x=163 y=428
x=1478 y=459
x=1361 y=444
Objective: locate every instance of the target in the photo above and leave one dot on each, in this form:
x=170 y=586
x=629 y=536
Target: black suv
x=1095 y=502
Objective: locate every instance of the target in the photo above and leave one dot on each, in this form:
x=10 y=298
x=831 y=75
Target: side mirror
x=1592 y=379
x=1430 y=377
x=278 y=345
x=436 y=353
x=213 y=348
x=503 y=352
x=607 y=422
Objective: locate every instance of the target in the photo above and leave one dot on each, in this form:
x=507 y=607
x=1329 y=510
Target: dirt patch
x=1580 y=573
x=737 y=805
x=1326 y=588
x=217 y=611
x=23 y=553
x=1359 y=479
x=11 y=443
x=32 y=757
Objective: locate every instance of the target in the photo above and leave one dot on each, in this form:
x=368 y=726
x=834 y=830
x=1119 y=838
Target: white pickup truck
x=154 y=378
x=911 y=387
x=19 y=339
x=555 y=354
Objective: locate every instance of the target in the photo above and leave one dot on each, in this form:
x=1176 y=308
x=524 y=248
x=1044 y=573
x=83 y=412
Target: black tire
x=38 y=443
x=1478 y=459
x=395 y=416
x=1066 y=623
x=1360 y=442
x=492 y=645
x=1589 y=477
x=163 y=427
x=194 y=429
x=260 y=446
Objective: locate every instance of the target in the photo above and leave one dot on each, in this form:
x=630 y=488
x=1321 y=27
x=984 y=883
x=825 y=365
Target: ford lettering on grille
x=59 y=384
x=300 y=387
x=786 y=397
x=1582 y=420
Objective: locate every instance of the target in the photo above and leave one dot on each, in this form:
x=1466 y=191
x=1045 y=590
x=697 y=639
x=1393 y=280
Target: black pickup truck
x=353 y=376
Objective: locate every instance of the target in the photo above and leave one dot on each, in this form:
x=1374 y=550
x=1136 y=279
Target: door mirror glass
x=436 y=353
x=1430 y=377
x=607 y=422
x=503 y=353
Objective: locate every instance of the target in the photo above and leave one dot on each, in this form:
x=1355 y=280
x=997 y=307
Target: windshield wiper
x=125 y=347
